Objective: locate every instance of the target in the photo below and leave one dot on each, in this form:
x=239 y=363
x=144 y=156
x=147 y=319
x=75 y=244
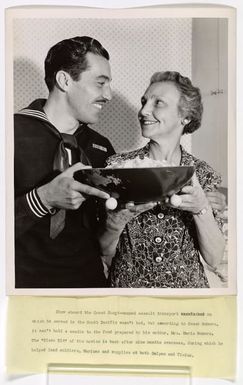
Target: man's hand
x=66 y=193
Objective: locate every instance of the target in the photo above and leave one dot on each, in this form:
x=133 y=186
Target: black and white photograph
x=121 y=168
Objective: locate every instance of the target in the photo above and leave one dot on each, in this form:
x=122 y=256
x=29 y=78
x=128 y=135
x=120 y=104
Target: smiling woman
x=159 y=114
x=160 y=247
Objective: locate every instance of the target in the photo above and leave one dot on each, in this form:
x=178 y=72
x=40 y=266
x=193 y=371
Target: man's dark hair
x=70 y=55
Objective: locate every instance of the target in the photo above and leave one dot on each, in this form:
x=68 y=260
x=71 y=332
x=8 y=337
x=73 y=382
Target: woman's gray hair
x=190 y=103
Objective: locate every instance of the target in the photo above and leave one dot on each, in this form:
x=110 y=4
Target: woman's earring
x=185 y=121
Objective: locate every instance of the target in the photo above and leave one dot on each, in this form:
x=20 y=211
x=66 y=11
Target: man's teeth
x=98 y=105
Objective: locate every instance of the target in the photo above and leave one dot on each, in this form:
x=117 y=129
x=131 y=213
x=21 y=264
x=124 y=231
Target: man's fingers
x=76 y=167
x=76 y=203
x=89 y=190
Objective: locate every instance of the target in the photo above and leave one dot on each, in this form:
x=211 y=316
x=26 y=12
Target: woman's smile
x=148 y=122
x=160 y=111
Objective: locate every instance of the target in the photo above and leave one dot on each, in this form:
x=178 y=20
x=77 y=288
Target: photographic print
x=120 y=166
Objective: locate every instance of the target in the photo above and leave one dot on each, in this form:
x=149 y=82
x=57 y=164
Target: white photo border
x=145 y=12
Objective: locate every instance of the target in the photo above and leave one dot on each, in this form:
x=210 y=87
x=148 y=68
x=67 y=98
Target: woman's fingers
x=187 y=190
x=176 y=200
x=141 y=208
x=217 y=200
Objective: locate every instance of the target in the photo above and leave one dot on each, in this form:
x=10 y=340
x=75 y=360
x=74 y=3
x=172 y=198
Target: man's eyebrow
x=103 y=77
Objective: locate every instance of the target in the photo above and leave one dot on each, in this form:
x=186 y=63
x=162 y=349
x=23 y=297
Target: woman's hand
x=210 y=239
x=191 y=198
x=217 y=200
x=117 y=220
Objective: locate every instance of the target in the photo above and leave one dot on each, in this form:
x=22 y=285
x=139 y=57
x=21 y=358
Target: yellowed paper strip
x=200 y=333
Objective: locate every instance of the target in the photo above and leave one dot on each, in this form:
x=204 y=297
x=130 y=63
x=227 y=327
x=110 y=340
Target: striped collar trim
x=42 y=116
x=35 y=113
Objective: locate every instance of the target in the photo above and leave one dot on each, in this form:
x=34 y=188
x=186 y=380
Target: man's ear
x=62 y=80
